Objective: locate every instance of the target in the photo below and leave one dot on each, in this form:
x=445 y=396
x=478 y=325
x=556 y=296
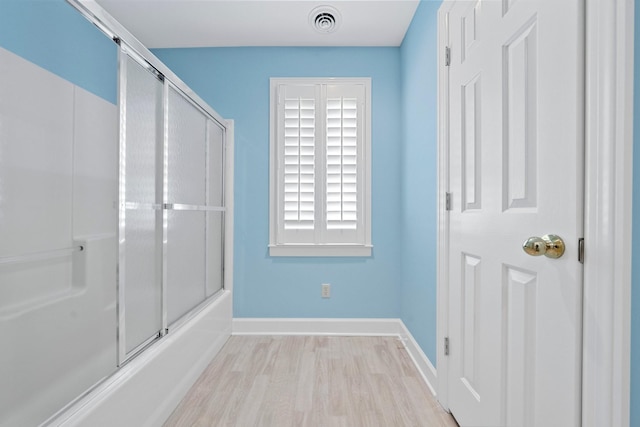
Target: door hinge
x=446 y=346
x=447 y=56
x=448 y=201
x=581 y=250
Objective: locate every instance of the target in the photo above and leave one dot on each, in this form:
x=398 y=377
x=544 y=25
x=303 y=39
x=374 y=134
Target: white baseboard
x=304 y=326
x=422 y=362
x=342 y=327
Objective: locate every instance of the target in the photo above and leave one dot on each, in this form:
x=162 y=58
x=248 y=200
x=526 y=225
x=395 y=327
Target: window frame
x=320 y=248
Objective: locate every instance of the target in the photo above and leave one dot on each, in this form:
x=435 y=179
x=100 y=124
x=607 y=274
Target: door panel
x=519 y=329
x=471 y=172
x=516 y=154
x=519 y=118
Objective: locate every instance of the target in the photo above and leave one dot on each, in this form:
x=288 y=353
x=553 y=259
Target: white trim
x=608 y=198
x=229 y=205
x=320 y=250
x=442 y=273
x=157 y=379
x=337 y=244
x=608 y=217
x=422 y=362
x=316 y=326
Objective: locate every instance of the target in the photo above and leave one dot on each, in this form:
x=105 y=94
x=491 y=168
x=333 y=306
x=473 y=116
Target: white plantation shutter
x=320 y=167
x=342 y=163
x=299 y=163
x=344 y=152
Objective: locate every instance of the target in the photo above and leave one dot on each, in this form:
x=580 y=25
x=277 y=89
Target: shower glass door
x=140 y=222
x=186 y=194
x=194 y=206
x=171 y=205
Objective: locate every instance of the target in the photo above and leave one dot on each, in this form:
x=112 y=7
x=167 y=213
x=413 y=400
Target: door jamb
x=442 y=264
x=607 y=217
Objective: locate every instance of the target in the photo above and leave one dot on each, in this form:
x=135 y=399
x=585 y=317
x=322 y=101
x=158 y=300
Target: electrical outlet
x=326 y=290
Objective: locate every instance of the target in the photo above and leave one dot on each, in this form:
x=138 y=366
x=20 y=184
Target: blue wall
x=399 y=280
x=419 y=177
x=235 y=81
x=53 y=35
x=635 y=289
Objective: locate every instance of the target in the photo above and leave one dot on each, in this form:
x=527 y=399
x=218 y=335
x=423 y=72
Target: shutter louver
x=299 y=163
x=341 y=167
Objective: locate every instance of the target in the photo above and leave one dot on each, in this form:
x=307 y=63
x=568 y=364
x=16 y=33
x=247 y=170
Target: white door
x=516 y=171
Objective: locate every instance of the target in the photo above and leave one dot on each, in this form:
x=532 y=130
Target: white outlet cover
x=326 y=290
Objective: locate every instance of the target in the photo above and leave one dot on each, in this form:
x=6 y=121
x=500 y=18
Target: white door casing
x=515 y=124
x=608 y=213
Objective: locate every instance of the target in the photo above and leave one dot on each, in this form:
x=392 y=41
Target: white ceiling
x=214 y=23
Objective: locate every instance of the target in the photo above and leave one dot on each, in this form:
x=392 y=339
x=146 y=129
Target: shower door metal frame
x=166 y=207
x=124 y=51
x=162 y=158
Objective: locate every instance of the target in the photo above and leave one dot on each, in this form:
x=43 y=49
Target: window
x=320 y=167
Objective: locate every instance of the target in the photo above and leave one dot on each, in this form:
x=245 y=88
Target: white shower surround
x=57 y=304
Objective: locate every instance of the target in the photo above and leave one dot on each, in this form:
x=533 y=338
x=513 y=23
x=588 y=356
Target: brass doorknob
x=549 y=245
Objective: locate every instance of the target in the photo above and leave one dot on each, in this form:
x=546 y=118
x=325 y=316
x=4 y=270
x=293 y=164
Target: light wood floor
x=297 y=381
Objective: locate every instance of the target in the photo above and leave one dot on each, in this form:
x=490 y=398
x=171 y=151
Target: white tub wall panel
x=57 y=320
x=36 y=129
x=95 y=214
x=83 y=343
x=95 y=165
x=94 y=311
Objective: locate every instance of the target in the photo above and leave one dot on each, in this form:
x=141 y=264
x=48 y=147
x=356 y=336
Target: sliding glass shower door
x=172 y=205
x=194 y=206
x=140 y=218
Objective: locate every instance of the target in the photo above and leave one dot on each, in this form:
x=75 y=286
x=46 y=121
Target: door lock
x=549 y=245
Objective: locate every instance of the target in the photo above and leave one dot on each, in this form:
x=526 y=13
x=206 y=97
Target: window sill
x=301 y=250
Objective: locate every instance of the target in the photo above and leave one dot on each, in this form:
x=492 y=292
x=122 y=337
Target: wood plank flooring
x=281 y=381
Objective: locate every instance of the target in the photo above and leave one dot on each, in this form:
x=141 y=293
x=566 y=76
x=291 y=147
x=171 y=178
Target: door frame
x=609 y=30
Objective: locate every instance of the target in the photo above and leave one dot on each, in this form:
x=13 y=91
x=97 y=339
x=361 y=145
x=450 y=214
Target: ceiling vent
x=324 y=19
